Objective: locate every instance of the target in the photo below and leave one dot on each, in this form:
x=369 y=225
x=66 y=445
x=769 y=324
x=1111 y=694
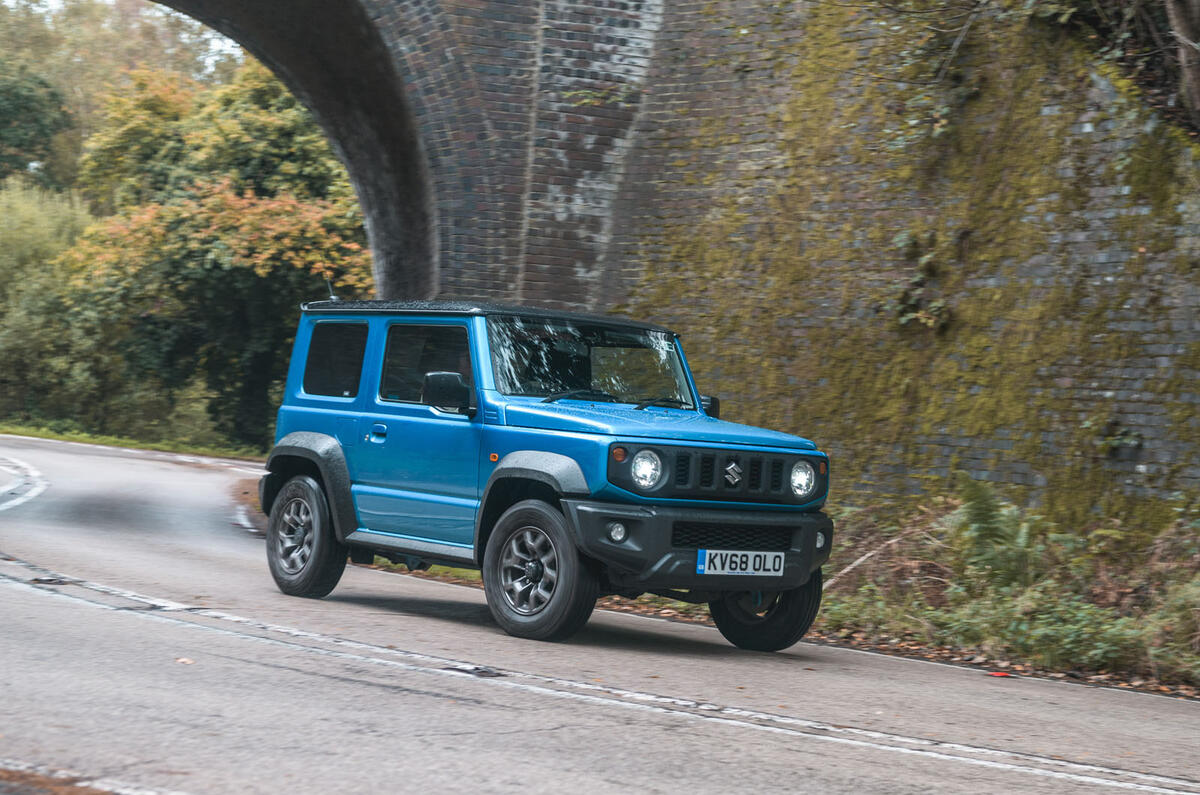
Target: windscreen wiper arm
x=575 y=393
x=661 y=401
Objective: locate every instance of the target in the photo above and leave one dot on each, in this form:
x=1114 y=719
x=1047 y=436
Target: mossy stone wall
x=999 y=273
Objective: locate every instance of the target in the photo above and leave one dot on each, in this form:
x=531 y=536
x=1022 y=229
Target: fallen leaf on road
x=1000 y=673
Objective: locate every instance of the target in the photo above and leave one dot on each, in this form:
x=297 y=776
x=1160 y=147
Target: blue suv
x=567 y=456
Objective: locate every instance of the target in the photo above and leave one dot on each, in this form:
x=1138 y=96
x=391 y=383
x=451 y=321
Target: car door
x=417 y=465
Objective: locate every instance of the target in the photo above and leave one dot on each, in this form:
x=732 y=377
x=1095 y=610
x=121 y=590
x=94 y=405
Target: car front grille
x=728 y=475
x=709 y=535
x=723 y=475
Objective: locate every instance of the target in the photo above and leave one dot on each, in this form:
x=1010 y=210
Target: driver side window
x=413 y=351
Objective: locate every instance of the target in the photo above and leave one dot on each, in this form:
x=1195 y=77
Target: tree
x=226 y=209
x=87 y=49
x=138 y=154
x=31 y=113
x=36 y=226
x=254 y=131
x=1184 y=16
x=164 y=132
x=214 y=281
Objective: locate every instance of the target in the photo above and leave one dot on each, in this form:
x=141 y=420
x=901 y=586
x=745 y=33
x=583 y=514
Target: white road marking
x=30 y=479
x=600 y=695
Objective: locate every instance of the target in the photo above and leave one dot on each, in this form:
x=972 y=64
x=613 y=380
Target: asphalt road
x=144 y=647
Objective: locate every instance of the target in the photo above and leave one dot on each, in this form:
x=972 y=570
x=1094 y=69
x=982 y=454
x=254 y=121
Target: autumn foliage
x=220 y=209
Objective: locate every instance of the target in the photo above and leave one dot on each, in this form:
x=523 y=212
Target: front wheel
x=536 y=583
x=303 y=552
x=767 y=621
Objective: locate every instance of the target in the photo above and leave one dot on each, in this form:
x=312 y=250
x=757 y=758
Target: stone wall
x=999 y=274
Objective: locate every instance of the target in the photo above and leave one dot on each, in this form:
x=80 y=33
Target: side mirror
x=446 y=391
x=711 y=405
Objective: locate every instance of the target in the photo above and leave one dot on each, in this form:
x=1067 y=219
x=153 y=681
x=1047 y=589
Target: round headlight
x=804 y=479
x=646 y=469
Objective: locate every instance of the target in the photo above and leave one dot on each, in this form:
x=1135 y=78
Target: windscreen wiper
x=661 y=401
x=570 y=393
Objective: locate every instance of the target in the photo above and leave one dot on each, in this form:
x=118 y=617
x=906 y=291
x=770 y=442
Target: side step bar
x=425 y=550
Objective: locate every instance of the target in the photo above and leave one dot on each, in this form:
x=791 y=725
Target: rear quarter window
x=335 y=359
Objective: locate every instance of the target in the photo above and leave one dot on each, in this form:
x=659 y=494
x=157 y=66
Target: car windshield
x=567 y=359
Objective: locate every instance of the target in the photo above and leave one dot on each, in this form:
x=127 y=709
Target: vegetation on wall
x=1155 y=42
x=944 y=195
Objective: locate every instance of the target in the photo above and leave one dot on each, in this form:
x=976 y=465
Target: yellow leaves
x=241 y=230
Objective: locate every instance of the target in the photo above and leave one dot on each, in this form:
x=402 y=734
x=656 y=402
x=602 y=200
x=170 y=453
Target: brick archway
x=333 y=58
x=487 y=141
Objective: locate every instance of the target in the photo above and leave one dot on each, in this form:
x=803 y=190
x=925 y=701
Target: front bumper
x=648 y=559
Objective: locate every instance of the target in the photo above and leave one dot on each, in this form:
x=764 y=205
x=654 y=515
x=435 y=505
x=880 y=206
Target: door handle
x=378 y=432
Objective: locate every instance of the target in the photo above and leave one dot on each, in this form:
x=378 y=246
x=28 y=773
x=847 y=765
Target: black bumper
x=648 y=559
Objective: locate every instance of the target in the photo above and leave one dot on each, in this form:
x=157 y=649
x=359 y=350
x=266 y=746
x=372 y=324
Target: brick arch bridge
x=547 y=151
x=487 y=139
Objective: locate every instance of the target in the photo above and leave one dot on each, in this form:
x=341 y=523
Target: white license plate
x=721 y=561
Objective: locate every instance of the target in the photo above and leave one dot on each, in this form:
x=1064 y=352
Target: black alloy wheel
x=303 y=552
x=537 y=584
x=767 y=620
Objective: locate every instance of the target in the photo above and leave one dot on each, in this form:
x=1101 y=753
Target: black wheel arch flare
x=525 y=474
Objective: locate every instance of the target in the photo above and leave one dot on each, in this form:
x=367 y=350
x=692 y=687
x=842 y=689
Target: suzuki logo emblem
x=733 y=473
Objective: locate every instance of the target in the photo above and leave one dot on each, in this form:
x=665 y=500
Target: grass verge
x=169 y=446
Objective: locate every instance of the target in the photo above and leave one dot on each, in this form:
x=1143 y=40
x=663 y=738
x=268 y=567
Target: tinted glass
x=335 y=357
x=413 y=351
x=540 y=358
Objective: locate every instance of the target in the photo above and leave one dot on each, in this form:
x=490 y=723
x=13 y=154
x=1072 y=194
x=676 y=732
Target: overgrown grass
x=982 y=575
x=67 y=433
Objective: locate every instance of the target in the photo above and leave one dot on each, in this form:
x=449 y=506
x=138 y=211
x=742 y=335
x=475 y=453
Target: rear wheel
x=303 y=552
x=536 y=583
x=765 y=620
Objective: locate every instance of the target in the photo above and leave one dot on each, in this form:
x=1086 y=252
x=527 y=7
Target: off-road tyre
x=766 y=621
x=303 y=552
x=528 y=546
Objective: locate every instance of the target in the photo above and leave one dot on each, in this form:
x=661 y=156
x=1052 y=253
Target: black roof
x=471 y=308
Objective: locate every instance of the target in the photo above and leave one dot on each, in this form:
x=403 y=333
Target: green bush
x=991 y=578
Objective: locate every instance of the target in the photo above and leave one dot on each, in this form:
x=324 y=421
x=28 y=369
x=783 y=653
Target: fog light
x=617 y=532
x=820 y=540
